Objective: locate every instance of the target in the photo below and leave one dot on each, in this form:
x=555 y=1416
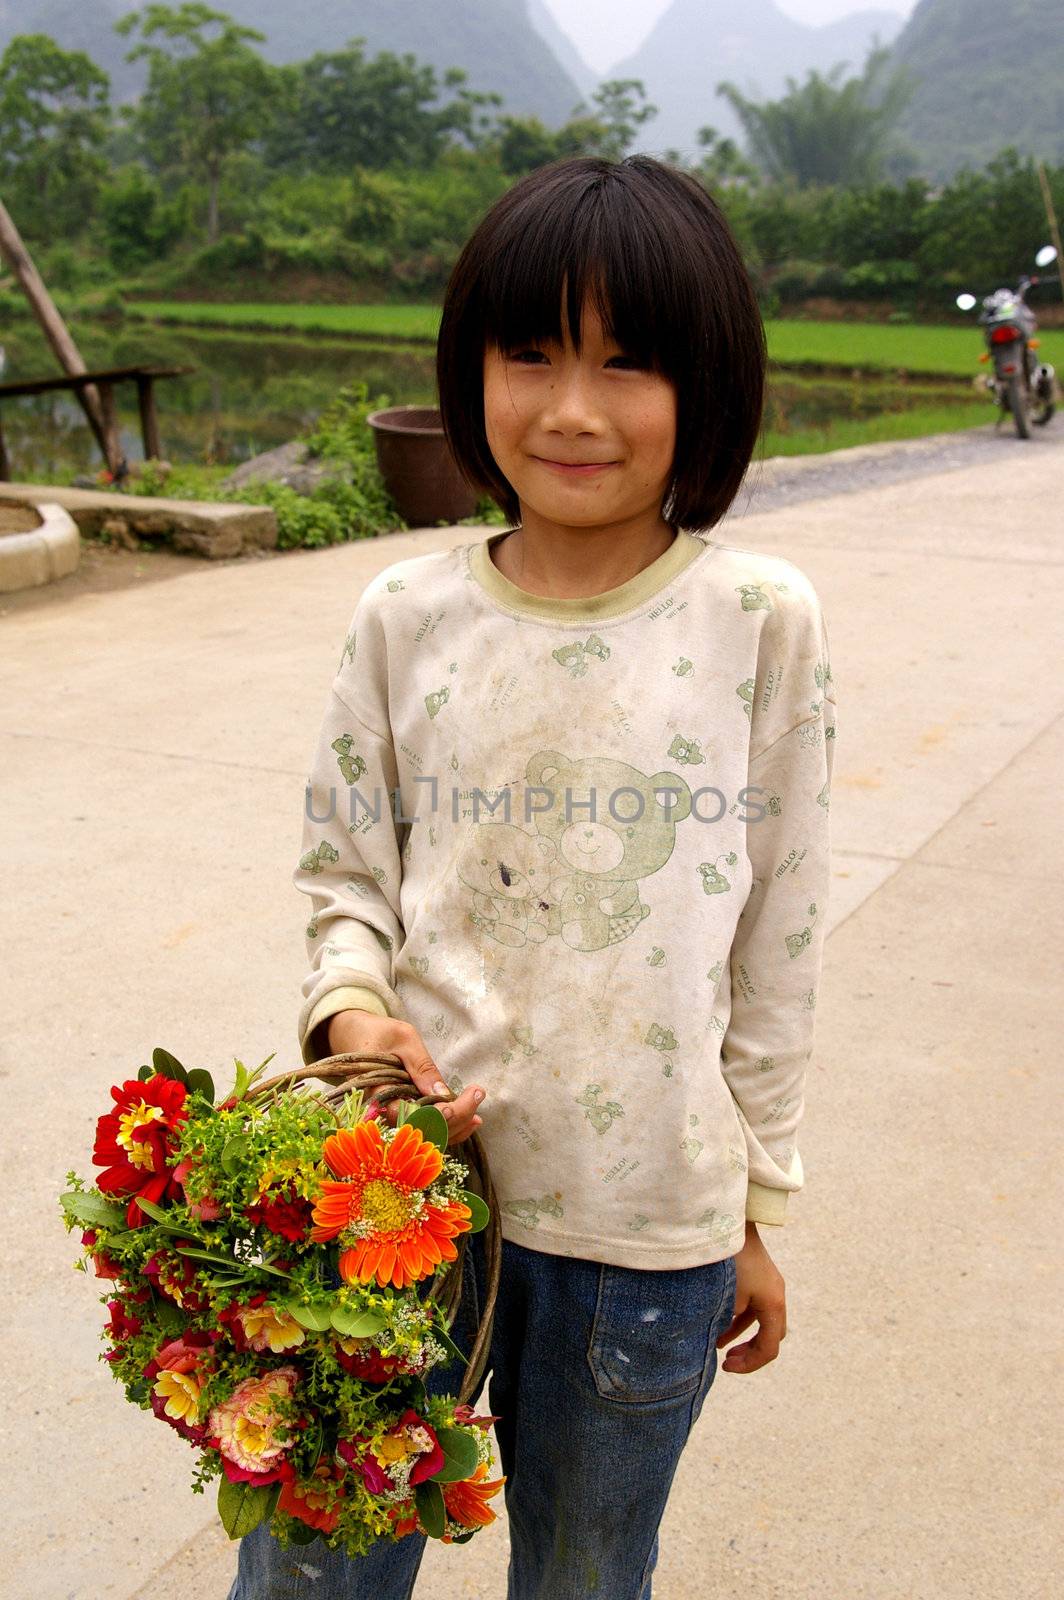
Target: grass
x=889 y=347
x=915 y=423
x=869 y=347
x=415 y=323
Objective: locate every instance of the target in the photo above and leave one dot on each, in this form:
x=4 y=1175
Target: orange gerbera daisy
x=392 y=1231
x=467 y=1502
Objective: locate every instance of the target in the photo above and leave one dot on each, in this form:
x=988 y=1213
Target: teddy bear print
x=601 y=1114
x=601 y=856
x=530 y=1211
x=509 y=872
x=351 y=766
x=437 y=699
x=574 y=656
x=713 y=880
x=314 y=860
x=688 y=752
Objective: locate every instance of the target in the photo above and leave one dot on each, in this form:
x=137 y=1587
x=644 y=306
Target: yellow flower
x=181 y=1391
x=267 y=1329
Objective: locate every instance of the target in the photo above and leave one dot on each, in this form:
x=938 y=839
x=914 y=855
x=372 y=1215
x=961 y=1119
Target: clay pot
x=417 y=466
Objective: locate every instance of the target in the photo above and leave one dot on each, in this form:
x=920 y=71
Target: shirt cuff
x=350 y=999
x=766 y=1205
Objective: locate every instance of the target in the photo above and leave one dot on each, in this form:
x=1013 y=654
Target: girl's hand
x=760 y=1296
x=357 y=1031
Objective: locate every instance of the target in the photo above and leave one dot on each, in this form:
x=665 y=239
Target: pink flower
x=205 y=1209
x=249 y=1430
x=408 y=1453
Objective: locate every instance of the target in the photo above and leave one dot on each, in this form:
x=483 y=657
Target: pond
x=251 y=392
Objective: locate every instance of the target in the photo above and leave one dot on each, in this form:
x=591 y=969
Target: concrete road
x=154 y=744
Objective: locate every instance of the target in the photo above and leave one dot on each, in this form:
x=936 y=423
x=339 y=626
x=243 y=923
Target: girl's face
x=586 y=439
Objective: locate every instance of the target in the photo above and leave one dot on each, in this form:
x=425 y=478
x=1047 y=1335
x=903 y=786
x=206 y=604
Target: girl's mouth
x=575 y=469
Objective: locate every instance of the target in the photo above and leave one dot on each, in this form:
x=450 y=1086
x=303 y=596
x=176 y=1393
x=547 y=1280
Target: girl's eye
x=527 y=357
x=627 y=363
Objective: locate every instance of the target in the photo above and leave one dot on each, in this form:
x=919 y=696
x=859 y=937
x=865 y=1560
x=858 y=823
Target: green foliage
x=826 y=130
x=140 y=223
x=54 y=118
x=207 y=96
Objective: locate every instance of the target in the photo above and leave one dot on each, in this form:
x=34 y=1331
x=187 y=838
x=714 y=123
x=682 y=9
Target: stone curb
x=217 y=530
x=51 y=551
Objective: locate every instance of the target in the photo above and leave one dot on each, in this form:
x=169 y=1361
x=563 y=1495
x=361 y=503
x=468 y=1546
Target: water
x=251 y=392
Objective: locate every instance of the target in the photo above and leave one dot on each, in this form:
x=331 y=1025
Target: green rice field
x=853 y=346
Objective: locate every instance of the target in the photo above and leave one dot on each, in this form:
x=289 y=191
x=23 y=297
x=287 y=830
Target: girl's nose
x=570 y=406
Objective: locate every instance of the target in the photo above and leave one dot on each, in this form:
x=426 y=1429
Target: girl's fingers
x=736 y=1326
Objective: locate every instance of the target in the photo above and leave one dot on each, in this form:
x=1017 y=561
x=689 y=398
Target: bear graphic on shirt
x=601 y=855
x=508 y=871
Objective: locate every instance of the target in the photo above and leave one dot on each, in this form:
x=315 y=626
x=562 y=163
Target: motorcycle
x=1020 y=383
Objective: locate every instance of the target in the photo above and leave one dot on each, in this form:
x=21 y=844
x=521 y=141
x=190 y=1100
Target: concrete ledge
x=202 y=527
x=40 y=556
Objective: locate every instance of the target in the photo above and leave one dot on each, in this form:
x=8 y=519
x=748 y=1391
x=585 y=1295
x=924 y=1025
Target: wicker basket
x=383 y=1078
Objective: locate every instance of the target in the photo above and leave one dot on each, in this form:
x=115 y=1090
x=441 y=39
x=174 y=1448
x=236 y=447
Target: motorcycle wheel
x=1018 y=406
x=1044 y=414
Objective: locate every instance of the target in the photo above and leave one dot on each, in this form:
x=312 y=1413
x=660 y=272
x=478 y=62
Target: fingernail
x=478 y=1095
x=439 y=1087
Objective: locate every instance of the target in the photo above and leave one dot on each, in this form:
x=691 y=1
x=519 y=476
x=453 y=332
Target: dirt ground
x=104 y=567
x=18 y=519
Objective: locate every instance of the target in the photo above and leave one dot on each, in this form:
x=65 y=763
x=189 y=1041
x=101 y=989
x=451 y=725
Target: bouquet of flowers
x=264 y=1255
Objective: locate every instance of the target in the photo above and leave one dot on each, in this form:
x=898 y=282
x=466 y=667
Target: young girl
x=567 y=852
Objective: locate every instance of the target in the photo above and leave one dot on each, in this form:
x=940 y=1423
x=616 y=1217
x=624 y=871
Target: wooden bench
x=104 y=427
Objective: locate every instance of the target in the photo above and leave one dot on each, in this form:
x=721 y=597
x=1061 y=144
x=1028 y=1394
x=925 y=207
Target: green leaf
x=268 y=1266
x=299 y=1533
x=430 y=1508
x=481 y=1215
x=460 y=1455
x=315 y=1443
x=168 y=1066
x=150 y=1209
x=431 y=1124
x=315 y=1317
x=207 y=1255
x=239 y=1089
x=93 y=1211
x=242 y=1507
x=201 y=1082
x=449 y=1345
x=234 y=1153
x=355 y=1323
x=145 y=1073
x=169 y=1317
x=462 y=1538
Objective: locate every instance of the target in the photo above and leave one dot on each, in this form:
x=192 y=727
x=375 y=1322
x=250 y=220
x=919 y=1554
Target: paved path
x=154 y=744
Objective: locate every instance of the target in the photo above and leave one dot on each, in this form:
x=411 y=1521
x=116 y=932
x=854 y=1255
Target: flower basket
x=285 y=1268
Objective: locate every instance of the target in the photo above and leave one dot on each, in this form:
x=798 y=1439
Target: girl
x=592 y=902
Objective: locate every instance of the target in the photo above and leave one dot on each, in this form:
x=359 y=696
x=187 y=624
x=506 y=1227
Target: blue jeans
x=597 y=1373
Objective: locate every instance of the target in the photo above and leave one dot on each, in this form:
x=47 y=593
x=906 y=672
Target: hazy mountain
x=698 y=43
x=989 y=73
x=584 y=76
x=492 y=39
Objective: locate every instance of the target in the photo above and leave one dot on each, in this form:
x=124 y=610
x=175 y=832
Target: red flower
x=135 y=1141
x=284 y=1214
x=105 y=1266
x=410 y=1437
x=372 y=1367
x=121 y=1326
x=308 y=1501
x=175 y=1276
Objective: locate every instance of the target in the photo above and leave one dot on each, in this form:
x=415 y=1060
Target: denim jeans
x=597 y=1373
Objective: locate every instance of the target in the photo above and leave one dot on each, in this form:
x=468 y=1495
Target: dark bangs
x=654 y=254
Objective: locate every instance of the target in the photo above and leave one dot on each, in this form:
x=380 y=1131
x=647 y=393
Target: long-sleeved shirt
x=582 y=845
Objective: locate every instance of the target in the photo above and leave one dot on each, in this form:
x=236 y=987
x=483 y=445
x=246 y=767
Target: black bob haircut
x=655 y=254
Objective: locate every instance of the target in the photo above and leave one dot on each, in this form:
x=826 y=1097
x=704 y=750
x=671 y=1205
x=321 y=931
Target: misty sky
x=605 y=31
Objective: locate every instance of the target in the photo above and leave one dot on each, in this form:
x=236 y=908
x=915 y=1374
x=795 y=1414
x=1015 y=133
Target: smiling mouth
x=577 y=468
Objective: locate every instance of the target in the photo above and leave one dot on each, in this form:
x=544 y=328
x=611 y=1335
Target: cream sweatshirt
x=583 y=847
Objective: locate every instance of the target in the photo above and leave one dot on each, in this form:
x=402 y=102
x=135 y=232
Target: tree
x=621 y=107
x=826 y=130
x=723 y=164
x=54 y=117
x=208 y=95
x=340 y=110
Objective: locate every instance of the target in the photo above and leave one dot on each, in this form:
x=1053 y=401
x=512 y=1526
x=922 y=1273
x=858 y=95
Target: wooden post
x=149 y=421
x=1051 y=218
x=5 y=465
x=58 y=335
